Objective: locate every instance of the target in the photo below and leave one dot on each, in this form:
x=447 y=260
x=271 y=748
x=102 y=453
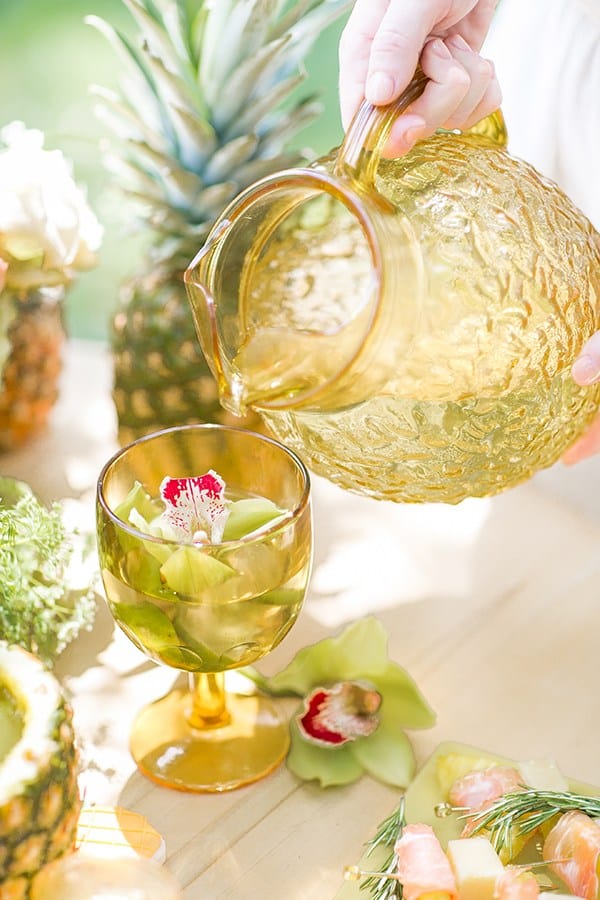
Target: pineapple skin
x=29 y=379
x=38 y=823
x=161 y=378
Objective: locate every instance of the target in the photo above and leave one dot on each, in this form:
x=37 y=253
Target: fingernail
x=457 y=41
x=380 y=88
x=440 y=49
x=586 y=370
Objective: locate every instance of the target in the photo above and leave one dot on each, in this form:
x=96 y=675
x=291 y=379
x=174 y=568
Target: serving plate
x=422 y=796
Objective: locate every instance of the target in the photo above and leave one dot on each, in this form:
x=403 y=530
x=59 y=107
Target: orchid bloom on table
x=356 y=704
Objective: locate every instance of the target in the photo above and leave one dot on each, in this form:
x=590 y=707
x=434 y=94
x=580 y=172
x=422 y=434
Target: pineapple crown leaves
x=201 y=111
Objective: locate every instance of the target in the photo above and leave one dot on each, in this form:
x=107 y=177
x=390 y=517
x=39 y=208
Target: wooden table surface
x=493 y=606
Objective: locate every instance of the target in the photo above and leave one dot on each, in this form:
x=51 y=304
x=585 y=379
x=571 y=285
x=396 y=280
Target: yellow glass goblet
x=206 y=608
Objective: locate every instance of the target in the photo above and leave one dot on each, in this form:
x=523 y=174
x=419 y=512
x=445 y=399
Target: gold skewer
x=355 y=873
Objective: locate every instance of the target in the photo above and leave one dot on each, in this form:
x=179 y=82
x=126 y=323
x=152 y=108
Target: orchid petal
x=359 y=653
x=194 y=505
x=386 y=755
x=403 y=702
x=328 y=767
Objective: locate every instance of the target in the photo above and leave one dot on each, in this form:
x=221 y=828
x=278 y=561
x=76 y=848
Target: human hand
x=586 y=371
x=382 y=44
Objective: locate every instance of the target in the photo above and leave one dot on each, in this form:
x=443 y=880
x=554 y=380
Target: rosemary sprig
x=521 y=813
x=387 y=834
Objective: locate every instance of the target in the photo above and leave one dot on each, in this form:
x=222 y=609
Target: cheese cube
x=476 y=867
x=543 y=775
x=552 y=895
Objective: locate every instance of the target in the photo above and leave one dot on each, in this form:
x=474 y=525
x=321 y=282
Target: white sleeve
x=547 y=55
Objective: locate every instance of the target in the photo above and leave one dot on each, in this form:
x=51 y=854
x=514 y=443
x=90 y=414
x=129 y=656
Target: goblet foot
x=249 y=744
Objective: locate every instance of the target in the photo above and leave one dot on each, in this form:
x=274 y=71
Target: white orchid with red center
x=195 y=508
x=356 y=704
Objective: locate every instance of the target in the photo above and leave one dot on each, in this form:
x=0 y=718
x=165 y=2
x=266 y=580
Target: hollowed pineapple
x=39 y=798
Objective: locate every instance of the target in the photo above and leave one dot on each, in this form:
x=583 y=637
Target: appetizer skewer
x=502 y=814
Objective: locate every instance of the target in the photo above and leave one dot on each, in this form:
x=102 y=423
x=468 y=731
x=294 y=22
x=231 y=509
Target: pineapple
x=30 y=375
x=39 y=798
x=199 y=117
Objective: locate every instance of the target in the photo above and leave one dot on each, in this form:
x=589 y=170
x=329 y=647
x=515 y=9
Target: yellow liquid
x=221 y=626
x=416 y=451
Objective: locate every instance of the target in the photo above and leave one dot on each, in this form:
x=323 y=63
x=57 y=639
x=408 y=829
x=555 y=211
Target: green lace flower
x=356 y=704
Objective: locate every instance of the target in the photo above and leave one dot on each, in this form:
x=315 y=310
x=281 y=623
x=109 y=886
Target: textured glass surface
x=483 y=397
x=468 y=387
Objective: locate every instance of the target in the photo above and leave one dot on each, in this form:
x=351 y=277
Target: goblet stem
x=209 y=707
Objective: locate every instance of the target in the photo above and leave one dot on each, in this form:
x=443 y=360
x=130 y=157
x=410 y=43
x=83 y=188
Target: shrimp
x=516 y=885
x=575 y=838
x=423 y=868
x=480 y=788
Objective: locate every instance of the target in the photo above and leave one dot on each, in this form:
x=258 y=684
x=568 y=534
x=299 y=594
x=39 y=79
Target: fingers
x=355 y=51
x=586 y=446
x=475 y=26
x=586 y=368
x=461 y=91
x=380 y=48
x=396 y=48
x=483 y=95
x=379 y=51
x=586 y=371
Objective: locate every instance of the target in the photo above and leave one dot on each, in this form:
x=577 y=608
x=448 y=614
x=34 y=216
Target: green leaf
x=360 y=652
x=403 y=702
x=245 y=79
x=181 y=185
x=140 y=500
x=229 y=157
x=191 y=571
x=41 y=606
x=386 y=755
x=283 y=127
x=140 y=81
x=327 y=766
x=154 y=34
x=142 y=571
x=11 y=491
x=248 y=515
x=146 y=622
x=187 y=628
x=211 y=200
x=281 y=597
x=258 y=168
x=261 y=107
x=244 y=27
x=124 y=121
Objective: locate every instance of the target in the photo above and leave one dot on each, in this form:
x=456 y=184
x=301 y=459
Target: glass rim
x=280 y=525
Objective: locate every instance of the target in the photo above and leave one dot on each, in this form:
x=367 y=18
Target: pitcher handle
x=359 y=155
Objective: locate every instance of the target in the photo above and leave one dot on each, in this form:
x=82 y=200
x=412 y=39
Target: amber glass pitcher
x=407 y=326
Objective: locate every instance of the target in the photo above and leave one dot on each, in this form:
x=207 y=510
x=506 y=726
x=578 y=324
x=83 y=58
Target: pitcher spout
x=285 y=296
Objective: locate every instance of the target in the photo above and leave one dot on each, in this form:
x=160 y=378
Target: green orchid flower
x=356 y=704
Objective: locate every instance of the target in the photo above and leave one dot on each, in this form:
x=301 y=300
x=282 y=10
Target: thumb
x=586 y=368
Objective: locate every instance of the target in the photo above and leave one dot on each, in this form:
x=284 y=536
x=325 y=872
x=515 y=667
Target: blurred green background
x=48 y=60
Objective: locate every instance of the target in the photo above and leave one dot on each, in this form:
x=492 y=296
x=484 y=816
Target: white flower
x=47 y=230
